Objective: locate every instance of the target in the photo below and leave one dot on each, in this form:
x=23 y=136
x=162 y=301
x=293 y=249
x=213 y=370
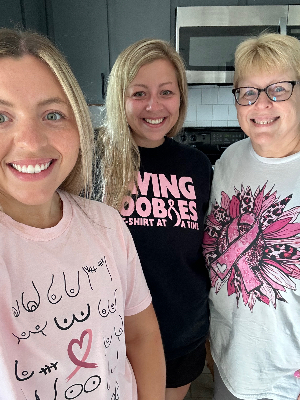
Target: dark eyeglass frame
x=234 y=91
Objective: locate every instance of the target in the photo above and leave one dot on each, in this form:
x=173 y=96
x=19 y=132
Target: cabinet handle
x=282 y=26
x=103 y=85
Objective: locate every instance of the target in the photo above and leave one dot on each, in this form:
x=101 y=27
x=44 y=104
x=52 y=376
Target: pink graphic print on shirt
x=251 y=244
x=162 y=201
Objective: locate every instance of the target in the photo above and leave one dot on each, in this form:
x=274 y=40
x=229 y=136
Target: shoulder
x=235 y=152
x=234 y=162
x=236 y=148
x=97 y=212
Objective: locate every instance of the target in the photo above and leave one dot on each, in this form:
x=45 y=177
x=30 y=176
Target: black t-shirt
x=166 y=222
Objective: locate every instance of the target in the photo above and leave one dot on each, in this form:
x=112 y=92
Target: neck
x=39 y=216
x=278 y=151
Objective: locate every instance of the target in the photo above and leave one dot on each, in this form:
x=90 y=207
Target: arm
x=146 y=355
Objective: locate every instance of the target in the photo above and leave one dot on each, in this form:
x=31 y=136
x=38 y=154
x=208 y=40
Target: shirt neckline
x=38 y=234
x=274 y=161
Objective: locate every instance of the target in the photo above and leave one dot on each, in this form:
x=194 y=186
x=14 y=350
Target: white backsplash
x=211 y=106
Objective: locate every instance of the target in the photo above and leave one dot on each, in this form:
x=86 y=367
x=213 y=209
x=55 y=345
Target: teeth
x=154 y=121
x=264 y=122
x=30 y=169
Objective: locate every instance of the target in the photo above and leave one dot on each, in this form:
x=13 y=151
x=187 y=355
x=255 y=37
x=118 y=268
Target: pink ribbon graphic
x=235 y=253
x=74 y=359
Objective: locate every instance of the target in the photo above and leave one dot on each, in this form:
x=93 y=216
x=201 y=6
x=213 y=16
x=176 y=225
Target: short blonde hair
x=267 y=52
x=119 y=153
x=14 y=43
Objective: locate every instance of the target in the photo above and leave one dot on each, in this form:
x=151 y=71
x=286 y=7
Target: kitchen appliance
x=211 y=141
x=207 y=36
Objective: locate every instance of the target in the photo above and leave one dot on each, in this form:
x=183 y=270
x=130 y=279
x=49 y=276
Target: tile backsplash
x=208 y=105
x=211 y=105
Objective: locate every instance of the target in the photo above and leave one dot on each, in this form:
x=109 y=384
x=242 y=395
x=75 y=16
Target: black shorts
x=185 y=369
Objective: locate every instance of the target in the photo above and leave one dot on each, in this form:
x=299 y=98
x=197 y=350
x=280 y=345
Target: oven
x=212 y=141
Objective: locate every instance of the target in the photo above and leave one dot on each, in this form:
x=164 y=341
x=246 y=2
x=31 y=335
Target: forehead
x=262 y=78
x=161 y=69
x=28 y=77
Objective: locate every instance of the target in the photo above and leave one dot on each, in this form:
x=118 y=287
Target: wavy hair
x=14 y=43
x=267 y=52
x=120 y=158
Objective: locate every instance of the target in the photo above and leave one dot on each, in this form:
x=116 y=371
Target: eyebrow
x=6 y=103
x=51 y=100
x=145 y=86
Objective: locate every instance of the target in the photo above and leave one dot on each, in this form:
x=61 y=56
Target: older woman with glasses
x=252 y=234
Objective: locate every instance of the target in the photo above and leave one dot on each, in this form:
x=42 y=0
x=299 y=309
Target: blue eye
x=279 y=89
x=3 y=118
x=250 y=93
x=53 y=116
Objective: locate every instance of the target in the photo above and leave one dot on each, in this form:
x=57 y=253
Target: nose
x=30 y=135
x=154 y=104
x=263 y=100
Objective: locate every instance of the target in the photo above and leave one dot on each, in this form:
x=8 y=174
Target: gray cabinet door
x=80 y=32
x=10 y=14
x=132 y=20
x=92 y=33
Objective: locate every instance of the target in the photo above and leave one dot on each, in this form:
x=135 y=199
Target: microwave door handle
x=282 y=26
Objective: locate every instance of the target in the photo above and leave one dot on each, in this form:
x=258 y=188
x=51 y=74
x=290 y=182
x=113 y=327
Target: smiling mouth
x=265 y=122
x=32 y=169
x=154 y=121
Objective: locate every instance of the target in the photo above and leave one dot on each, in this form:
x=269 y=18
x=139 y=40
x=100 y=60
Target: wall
x=211 y=105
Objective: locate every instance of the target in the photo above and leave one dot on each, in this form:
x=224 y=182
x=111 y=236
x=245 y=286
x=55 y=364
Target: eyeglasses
x=279 y=91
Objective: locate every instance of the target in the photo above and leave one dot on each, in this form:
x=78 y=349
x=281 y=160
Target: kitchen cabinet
x=35 y=15
x=92 y=34
x=132 y=20
x=10 y=16
x=80 y=31
x=271 y=2
x=30 y=14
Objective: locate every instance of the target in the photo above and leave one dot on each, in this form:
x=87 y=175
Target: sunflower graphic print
x=251 y=245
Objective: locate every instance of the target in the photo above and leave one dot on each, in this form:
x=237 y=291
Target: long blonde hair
x=16 y=44
x=120 y=158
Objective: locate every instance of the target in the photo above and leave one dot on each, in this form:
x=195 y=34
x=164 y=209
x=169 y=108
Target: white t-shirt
x=252 y=249
x=64 y=293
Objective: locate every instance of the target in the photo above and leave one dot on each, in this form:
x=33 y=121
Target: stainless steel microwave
x=207 y=36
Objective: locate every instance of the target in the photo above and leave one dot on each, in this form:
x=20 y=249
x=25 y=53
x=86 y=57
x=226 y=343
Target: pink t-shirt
x=64 y=293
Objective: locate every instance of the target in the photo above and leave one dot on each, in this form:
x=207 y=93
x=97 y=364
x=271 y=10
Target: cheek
x=178 y=104
x=174 y=109
x=241 y=115
x=71 y=144
x=295 y=114
x=130 y=109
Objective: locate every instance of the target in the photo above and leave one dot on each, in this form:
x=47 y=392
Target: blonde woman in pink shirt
x=76 y=319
